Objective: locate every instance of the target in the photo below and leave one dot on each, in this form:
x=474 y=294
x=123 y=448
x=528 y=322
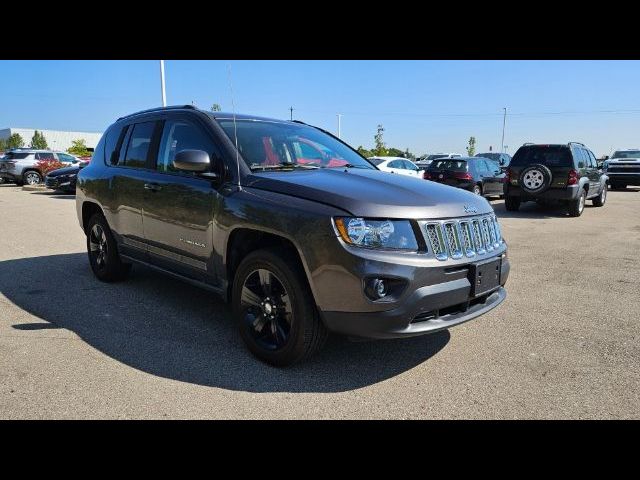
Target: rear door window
x=551 y=156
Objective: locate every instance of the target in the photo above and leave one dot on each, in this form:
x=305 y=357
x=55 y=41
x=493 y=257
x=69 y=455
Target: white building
x=56 y=140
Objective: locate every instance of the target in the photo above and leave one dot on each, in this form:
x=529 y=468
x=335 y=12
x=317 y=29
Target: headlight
x=362 y=232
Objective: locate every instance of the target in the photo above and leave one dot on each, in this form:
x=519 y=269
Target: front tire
x=103 y=251
x=576 y=207
x=275 y=310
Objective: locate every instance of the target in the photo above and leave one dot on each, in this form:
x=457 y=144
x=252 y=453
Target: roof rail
x=528 y=143
x=577 y=143
x=160 y=109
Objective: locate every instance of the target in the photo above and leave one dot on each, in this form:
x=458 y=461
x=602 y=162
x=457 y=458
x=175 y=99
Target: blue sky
x=426 y=106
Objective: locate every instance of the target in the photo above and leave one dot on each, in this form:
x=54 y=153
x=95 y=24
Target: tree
x=3 y=144
x=38 y=141
x=471 y=149
x=364 y=152
x=380 y=149
x=15 y=141
x=79 y=148
x=216 y=107
x=409 y=155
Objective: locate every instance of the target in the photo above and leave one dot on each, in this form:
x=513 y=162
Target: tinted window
x=580 y=157
x=626 y=154
x=455 y=165
x=182 y=135
x=16 y=155
x=552 y=156
x=111 y=145
x=435 y=157
x=45 y=156
x=376 y=161
x=492 y=156
x=396 y=164
x=63 y=157
x=139 y=144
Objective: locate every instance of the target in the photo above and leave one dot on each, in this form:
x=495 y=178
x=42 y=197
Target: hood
x=64 y=171
x=623 y=160
x=373 y=193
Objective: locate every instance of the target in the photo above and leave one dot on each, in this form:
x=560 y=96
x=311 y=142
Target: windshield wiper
x=349 y=165
x=283 y=166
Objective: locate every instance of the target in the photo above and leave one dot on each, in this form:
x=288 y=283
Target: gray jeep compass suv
x=291 y=225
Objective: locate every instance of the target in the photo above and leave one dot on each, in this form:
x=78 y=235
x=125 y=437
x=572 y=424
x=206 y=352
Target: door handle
x=154 y=187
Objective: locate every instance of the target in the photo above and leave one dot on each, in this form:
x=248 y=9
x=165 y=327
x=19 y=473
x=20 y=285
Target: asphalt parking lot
x=565 y=343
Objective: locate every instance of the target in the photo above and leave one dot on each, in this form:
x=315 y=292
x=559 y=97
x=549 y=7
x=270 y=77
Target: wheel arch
x=244 y=240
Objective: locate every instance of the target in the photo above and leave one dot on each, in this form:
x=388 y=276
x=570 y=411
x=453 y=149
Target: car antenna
x=235 y=128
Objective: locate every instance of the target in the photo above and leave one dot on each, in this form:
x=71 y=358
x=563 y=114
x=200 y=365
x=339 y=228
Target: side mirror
x=192 y=161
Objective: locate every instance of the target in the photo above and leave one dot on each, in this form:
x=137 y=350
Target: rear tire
x=103 y=251
x=275 y=310
x=512 y=204
x=576 y=207
x=31 y=177
x=600 y=200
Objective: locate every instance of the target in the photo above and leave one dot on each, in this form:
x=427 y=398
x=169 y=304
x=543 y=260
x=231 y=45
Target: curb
x=34 y=188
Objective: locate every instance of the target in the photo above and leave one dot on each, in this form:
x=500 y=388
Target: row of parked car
x=568 y=174
x=23 y=166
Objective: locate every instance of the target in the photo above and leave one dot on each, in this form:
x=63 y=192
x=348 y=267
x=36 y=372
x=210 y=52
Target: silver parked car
x=20 y=165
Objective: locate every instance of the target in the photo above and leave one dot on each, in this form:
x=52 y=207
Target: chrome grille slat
x=456 y=238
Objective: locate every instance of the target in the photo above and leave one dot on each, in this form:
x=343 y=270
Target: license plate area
x=484 y=276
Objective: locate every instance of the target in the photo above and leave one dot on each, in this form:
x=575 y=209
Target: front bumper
x=569 y=192
x=60 y=183
x=423 y=309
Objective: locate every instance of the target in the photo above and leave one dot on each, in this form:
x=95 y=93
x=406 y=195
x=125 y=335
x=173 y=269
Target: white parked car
x=397 y=165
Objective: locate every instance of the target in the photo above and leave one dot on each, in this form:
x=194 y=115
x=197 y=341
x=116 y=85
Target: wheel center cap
x=268 y=308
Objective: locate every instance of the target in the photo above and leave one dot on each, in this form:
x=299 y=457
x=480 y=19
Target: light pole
x=339 y=120
x=164 y=95
x=504 y=121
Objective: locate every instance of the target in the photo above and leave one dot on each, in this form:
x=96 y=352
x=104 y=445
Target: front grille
x=624 y=169
x=468 y=236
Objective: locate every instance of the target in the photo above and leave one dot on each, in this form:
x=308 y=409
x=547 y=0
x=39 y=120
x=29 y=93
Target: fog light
x=380 y=288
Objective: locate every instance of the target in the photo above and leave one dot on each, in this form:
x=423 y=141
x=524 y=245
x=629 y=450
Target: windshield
x=551 y=156
x=274 y=145
x=455 y=165
x=376 y=161
x=491 y=156
x=627 y=154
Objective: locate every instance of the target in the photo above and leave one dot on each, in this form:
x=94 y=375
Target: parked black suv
x=566 y=173
x=295 y=228
x=481 y=176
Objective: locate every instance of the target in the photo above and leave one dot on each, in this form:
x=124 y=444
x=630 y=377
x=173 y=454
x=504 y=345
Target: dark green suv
x=562 y=173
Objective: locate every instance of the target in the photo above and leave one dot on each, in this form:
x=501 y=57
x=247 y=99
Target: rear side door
x=128 y=186
x=594 y=175
x=179 y=206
